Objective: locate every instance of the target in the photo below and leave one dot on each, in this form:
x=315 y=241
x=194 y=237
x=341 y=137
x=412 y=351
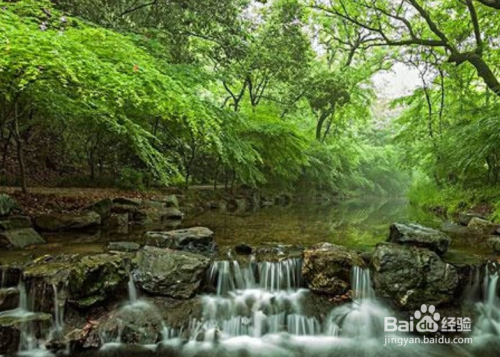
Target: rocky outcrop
x=169 y=272
x=195 y=239
x=64 y=222
x=19 y=238
x=412 y=276
x=86 y=280
x=327 y=268
x=419 y=236
x=11 y=328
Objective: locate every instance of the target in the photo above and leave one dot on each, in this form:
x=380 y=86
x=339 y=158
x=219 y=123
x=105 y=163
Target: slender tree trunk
x=20 y=158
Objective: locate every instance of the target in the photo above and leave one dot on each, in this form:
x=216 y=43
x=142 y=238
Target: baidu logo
x=427 y=320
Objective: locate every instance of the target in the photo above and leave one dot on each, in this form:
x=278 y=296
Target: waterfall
x=364 y=317
x=488 y=321
x=132 y=290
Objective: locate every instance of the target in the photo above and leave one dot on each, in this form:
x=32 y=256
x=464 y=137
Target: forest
x=275 y=94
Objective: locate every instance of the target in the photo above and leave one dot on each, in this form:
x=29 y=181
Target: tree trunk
x=20 y=158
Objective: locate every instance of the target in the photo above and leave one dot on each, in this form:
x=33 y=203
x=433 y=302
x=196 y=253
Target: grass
x=453 y=199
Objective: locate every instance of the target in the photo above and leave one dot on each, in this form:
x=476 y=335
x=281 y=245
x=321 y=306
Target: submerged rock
x=419 y=236
x=12 y=327
x=168 y=272
x=20 y=238
x=412 y=276
x=65 y=222
x=195 y=239
x=327 y=268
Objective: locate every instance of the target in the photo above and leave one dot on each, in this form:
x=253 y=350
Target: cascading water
x=255 y=300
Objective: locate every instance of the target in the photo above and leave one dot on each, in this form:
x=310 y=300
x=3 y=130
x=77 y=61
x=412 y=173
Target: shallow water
x=360 y=224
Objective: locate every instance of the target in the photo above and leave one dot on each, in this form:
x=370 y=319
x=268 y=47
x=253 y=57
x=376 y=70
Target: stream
x=260 y=308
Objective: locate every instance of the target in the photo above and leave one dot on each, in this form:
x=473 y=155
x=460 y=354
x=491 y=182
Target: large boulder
x=19 y=238
x=12 y=326
x=195 y=239
x=8 y=205
x=412 y=276
x=65 y=222
x=168 y=272
x=148 y=216
x=85 y=279
x=102 y=208
x=419 y=236
x=327 y=268
x=483 y=225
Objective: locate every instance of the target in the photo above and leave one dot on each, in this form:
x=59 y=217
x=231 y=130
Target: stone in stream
x=65 y=222
x=20 y=238
x=327 y=268
x=123 y=246
x=419 y=236
x=15 y=222
x=87 y=279
x=494 y=244
x=102 y=208
x=483 y=225
x=412 y=276
x=8 y=205
x=171 y=201
x=195 y=239
x=12 y=327
x=9 y=299
x=118 y=220
x=465 y=217
x=169 y=272
x=149 y=216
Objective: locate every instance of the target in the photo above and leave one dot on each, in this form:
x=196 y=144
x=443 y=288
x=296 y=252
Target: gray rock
x=8 y=205
x=118 y=220
x=124 y=246
x=19 y=238
x=102 y=208
x=465 y=217
x=171 y=201
x=15 y=222
x=11 y=328
x=494 y=244
x=195 y=239
x=9 y=299
x=172 y=213
x=412 y=276
x=88 y=279
x=419 y=236
x=168 y=272
x=65 y=222
x=327 y=268
x=483 y=225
